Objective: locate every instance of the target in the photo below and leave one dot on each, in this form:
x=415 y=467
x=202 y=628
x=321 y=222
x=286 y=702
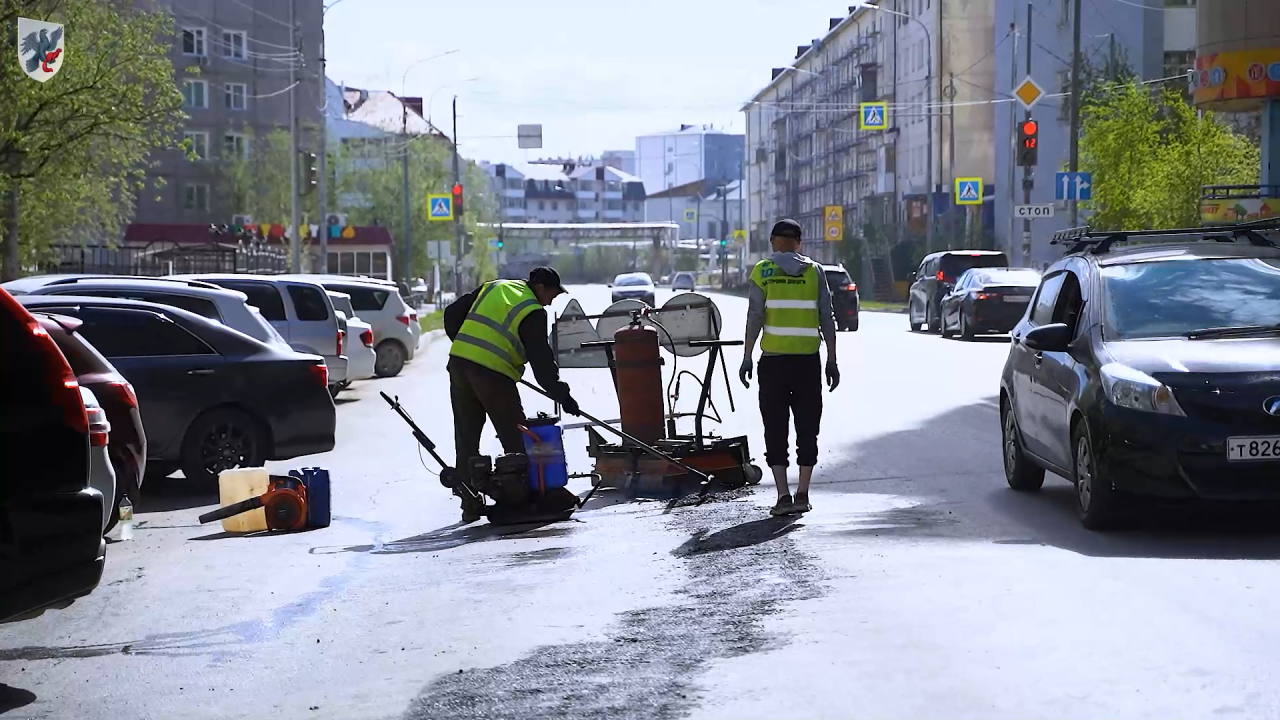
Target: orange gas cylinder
x=639 y=366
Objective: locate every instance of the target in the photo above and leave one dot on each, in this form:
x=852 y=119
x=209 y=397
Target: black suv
x=1150 y=370
x=937 y=276
x=844 y=296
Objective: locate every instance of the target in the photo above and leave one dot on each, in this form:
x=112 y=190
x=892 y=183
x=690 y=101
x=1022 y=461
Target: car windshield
x=1019 y=278
x=632 y=280
x=838 y=279
x=1174 y=297
x=953 y=266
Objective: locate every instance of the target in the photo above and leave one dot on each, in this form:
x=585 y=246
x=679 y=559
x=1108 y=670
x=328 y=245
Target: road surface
x=919 y=587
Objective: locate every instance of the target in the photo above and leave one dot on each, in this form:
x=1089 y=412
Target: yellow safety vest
x=790 y=309
x=490 y=335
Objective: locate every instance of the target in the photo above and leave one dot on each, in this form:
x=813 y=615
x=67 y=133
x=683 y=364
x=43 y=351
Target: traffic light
x=310 y=172
x=499 y=243
x=457 y=201
x=1028 y=143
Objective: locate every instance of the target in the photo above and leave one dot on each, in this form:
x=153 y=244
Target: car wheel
x=222 y=439
x=1100 y=506
x=966 y=330
x=915 y=326
x=946 y=331
x=390 y=359
x=853 y=326
x=931 y=319
x=335 y=389
x=1019 y=471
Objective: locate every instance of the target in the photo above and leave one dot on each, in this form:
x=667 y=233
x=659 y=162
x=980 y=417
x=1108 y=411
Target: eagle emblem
x=41 y=50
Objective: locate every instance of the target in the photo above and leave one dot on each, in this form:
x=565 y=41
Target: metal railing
x=164 y=258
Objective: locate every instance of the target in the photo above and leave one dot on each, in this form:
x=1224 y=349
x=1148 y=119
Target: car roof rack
x=1098 y=242
x=189 y=283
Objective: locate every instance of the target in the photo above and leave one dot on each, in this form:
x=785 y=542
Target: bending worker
x=495 y=329
x=790 y=301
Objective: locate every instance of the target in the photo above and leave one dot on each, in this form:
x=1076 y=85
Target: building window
x=542 y=205
x=234 y=146
x=195 y=197
x=1178 y=62
x=198 y=142
x=193 y=42
x=233 y=44
x=234 y=95
x=195 y=94
x=555 y=204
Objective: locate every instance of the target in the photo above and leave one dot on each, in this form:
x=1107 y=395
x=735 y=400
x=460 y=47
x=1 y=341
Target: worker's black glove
x=566 y=400
x=833 y=374
x=744 y=372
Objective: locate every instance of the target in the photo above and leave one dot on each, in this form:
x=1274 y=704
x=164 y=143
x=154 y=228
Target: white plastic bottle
x=126 y=518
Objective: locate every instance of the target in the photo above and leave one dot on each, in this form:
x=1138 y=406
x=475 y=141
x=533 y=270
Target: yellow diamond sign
x=1028 y=93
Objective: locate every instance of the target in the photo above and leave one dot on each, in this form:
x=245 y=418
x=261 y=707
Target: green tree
x=1150 y=153
x=74 y=150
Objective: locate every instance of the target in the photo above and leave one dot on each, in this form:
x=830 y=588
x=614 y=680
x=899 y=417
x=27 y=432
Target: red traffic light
x=1030 y=127
x=457 y=189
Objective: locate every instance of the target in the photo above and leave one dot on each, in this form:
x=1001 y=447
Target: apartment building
x=567 y=193
x=243 y=55
x=692 y=153
x=702 y=210
x=1156 y=39
x=930 y=63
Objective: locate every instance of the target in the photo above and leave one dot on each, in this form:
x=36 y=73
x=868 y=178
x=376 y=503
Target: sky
x=594 y=73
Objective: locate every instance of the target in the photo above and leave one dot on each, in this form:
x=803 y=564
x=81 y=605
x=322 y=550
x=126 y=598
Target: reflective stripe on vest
x=790 y=309
x=490 y=335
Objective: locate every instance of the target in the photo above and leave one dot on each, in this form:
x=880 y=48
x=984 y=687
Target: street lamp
x=404 y=160
x=928 y=41
x=431 y=101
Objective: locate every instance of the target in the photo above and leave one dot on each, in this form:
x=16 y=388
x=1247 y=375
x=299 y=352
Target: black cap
x=787 y=228
x=547 y=277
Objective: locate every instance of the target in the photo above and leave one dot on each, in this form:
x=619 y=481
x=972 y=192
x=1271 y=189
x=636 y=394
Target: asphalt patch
x=649 y=664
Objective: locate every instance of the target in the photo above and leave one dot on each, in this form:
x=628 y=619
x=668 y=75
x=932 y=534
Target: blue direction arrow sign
x=439 y=207
x=873 y=116
x=1073 y=186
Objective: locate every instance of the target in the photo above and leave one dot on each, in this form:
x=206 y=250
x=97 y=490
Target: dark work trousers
x=790 y=385
x=479 y=393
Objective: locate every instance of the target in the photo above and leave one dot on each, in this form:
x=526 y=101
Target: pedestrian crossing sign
x=968 y=191
x=439 y=207
x=873 y=116
x=691 y=216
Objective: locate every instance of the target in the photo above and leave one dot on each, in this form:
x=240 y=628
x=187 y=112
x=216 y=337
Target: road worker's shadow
x=454 y=536
x=745 y=535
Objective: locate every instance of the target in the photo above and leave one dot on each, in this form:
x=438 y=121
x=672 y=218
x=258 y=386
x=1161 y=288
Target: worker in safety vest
x=790 y=302
x=495 y=329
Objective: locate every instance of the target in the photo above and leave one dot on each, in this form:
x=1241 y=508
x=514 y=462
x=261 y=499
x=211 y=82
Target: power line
x=258 y=12
x=188 y=12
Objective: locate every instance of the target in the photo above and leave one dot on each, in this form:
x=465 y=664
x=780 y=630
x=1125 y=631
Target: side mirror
x=609 y=285
x=912 y=277
x=1054 y=337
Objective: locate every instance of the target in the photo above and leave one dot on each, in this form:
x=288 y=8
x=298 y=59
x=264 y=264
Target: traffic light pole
x=1075 y=99
x=406 y=235
x=295 y=241
x=457 y=217
x=1027 y=181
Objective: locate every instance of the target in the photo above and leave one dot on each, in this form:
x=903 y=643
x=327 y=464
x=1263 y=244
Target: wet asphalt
x=919 y=586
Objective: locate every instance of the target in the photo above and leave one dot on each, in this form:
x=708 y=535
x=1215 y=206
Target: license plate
x=1264 y=447
x=1016 y=298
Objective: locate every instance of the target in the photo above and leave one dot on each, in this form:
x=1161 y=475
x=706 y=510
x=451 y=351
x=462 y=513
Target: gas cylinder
x=639 y=367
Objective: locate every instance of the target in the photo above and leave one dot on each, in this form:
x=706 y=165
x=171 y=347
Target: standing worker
x=495 y=329
x=790 y=301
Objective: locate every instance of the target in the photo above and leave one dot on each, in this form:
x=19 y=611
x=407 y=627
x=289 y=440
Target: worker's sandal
x=801 y=504
x=783 y=507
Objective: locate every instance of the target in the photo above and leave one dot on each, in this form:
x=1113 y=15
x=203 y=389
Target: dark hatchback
x=211 y=398
x=1149 y=371
x=51 y=545
x=844 y=296
x=988 y=300
x=127 y=446
x=936 y=276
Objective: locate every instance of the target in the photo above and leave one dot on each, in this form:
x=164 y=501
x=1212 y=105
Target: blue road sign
x=873 y=116
x=1073 y=186
x=968 y=191
x=440 y=207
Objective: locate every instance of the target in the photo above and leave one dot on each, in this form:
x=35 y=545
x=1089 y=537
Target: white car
x=634 y=286
x=361 y=357
x=379 y=303
x=102 y=476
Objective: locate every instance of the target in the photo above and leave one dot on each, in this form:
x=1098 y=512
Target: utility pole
x=407 y=233
x=457 y=218
x=951 y=153
x=724 y=234
x=1026 y=171
x=1075 y=100
x=295 y=242
x=1013 y=145
x=322 y=182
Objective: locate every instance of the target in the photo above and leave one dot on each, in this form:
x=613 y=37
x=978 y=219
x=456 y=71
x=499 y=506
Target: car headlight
x=1136 y=390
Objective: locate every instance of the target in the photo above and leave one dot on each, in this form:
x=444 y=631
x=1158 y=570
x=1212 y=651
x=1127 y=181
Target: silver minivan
x=378 y=302
x=299 y=310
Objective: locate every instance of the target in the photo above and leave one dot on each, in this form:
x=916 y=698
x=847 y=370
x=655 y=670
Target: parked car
x=988 y=300
x=298 y=309
x=102 y=477
x=205 y=299
x=51 y=545
x=635 y=286
x=379 y=303
x=211 y=398
x=936 y=276
x=844 y=296
x=128 y=441
x=684 y=281
x=361 y=357
x=1148 y=371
